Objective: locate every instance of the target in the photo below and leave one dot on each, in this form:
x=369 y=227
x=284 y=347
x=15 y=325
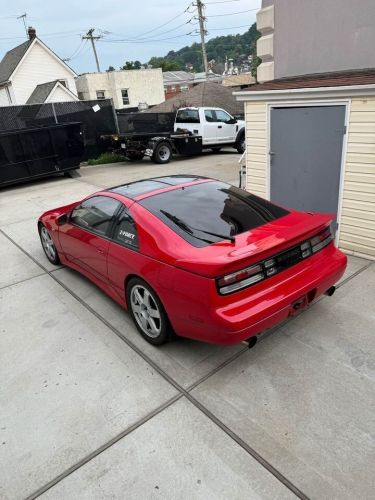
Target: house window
x=100 y=95
x=184 y=88
x=173 y=88
x=125 y=96
x=64 y=82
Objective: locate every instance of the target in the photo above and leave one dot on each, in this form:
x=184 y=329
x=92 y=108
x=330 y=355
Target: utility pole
x=23 y=17
x=202 y=19
x=89 y=36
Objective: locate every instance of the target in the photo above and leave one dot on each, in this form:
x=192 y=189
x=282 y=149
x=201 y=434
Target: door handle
x=219 y=126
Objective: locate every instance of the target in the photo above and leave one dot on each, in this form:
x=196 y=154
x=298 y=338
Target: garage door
x=306 y=149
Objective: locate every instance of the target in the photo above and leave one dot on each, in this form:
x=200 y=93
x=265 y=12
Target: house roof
x=11 y=60
x=177 y=76
x=333 y=79
x=41 y=92
x=207 y=94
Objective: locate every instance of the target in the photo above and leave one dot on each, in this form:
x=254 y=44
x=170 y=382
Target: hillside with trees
x=236 y=47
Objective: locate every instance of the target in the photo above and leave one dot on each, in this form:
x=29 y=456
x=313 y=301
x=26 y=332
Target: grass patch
x=106 y=158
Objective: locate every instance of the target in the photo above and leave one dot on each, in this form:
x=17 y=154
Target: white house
x=31 y=73
x=126 y=88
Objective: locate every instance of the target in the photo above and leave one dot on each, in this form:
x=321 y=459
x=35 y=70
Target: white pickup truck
x=215 y=125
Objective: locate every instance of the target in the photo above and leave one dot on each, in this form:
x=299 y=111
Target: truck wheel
x=241 y=144
x=162 y=153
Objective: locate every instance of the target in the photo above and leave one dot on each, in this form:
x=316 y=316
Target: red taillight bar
x=272 y=265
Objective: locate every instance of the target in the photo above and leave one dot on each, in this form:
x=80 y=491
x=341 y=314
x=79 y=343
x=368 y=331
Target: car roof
x=153 y=185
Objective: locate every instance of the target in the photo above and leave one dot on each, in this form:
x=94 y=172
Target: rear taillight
x=253 y=274
x=240 y=279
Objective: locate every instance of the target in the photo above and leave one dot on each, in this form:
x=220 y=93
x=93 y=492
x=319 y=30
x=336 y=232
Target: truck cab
x=217 y=127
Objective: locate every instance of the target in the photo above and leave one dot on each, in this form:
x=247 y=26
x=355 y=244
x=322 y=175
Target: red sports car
x=195 y=256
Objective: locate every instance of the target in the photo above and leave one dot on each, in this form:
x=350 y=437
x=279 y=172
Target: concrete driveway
x=89 y=410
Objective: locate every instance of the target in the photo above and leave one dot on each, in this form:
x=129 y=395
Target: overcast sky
x=131 y=29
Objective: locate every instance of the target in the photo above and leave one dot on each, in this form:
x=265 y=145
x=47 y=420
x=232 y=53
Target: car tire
x=162 y=153
x=48 y=245
x=148 y=313
x=241 y=144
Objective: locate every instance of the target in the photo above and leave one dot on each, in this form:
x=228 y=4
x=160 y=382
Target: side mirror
x=63 y=219
x=232 y=121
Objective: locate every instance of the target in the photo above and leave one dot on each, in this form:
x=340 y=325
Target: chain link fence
x=97 y=118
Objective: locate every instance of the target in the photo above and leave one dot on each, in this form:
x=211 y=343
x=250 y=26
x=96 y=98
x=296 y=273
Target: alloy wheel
x=146 y=311
x=47 y=243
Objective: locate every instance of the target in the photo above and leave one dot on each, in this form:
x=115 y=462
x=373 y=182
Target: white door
x=209 y=127
x=225 y=130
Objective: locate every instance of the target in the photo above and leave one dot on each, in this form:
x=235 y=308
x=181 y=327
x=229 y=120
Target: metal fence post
x=54 y=113
x=115 y=116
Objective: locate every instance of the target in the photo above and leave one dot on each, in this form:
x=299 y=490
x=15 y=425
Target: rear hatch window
x=187 y=116
x=212 y=211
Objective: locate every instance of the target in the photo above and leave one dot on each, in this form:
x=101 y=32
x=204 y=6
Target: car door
x=85 y=237
x=123 y=257
x=225 y=129
x=210 y=127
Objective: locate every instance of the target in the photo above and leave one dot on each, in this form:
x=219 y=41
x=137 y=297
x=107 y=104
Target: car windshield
x=212 y=211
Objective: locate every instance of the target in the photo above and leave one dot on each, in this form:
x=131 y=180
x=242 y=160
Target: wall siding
x=4 y=99
x=39 y=66
x=256 y=150
x=60 y=95
x=358 y=206
x=143 y=86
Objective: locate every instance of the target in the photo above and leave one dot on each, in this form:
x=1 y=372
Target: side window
x=210 y=115
x=95 y=214
x=222 y=116
x=125 y=231
x=187 y=116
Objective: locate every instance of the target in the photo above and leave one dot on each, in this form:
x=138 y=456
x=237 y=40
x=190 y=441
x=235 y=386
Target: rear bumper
x=245 y=314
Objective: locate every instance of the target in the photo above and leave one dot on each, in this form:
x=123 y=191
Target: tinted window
x=125 y=231
x=211 y=207
x=187 y=116
x=222 y=116
x=95 y=214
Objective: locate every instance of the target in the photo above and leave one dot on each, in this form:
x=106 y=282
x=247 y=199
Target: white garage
x=311 y=146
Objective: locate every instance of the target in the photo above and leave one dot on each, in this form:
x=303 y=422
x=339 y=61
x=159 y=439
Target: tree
x=218 y=48
x=164 y=64
x=110 y=68
x=131 y=65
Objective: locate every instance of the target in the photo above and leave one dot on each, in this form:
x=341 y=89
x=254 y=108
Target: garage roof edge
x=303 y=93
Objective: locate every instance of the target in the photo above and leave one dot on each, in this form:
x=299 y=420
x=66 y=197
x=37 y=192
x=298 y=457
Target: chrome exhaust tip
x=250 y=342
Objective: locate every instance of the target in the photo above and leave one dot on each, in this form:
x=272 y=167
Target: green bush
x=106 y=158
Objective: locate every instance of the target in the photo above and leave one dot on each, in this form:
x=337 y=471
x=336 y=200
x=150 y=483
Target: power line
x=234 y=13
x=231 y=27
x=164 y=24
x=146 y=41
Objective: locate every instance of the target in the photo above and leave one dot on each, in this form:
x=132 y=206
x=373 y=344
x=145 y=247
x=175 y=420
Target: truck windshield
x=187 y=116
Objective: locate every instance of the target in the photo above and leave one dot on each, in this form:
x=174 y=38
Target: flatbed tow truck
x=187 y=132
